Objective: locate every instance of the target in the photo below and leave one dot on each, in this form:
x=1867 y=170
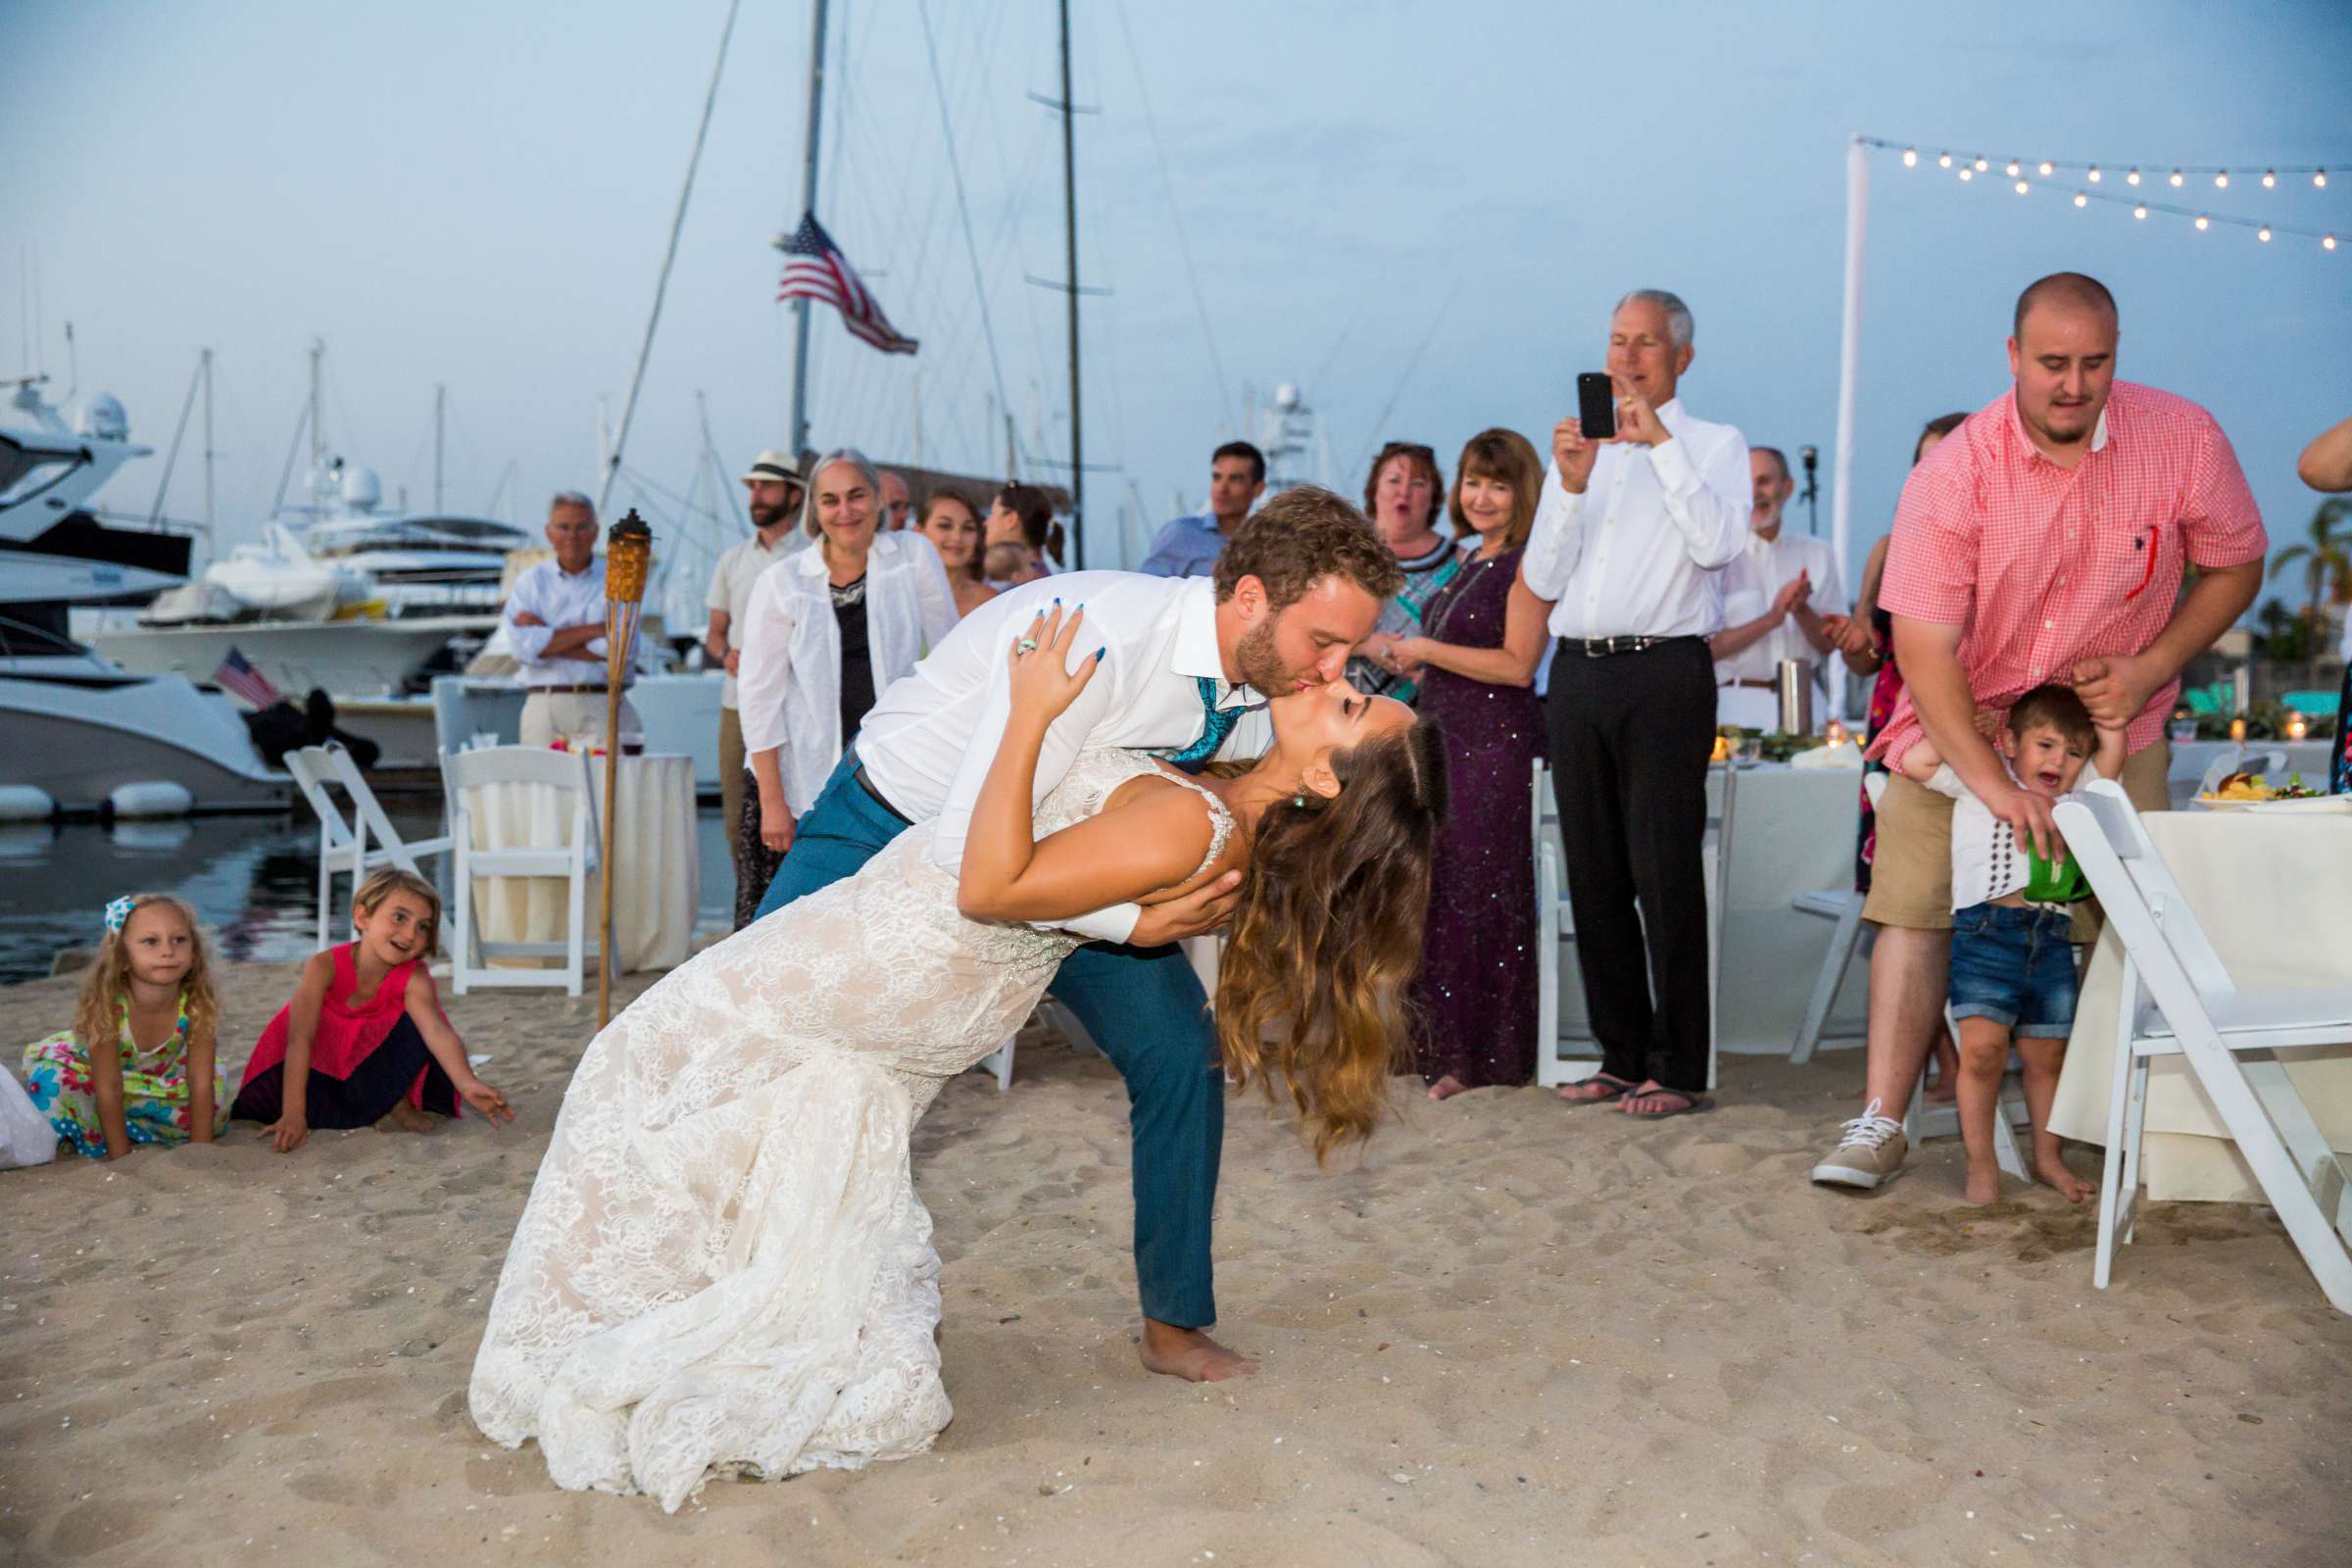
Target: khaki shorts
x=1911 y=877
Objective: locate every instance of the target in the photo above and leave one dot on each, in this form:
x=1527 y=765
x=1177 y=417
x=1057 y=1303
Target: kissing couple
x=723 y=1263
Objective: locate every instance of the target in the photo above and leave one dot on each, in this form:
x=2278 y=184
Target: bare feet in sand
x=1190 y=1354
x=1983 y=1182
x=2051 y=1170
x=407 y=1118
x=1446 y=1088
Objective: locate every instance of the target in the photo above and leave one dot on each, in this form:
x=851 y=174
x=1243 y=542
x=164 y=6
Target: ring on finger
x=1027 y=645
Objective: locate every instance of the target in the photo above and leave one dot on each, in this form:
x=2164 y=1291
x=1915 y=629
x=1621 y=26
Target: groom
x=1184 y=661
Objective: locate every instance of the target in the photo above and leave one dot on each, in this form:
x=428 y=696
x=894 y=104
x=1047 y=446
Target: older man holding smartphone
x=1630 y=539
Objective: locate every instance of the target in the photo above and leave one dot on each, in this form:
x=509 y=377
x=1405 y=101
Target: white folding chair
x=343 y=846
x=1555 y=923
x=1923 y=1121
x=1843 y=909
x=2177 y=999
x=573 y=859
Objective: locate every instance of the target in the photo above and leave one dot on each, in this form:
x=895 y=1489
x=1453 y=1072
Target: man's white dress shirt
x=789 y=691
x=560 y=599
x=1750 y=583
x=930 y=739
x=1639 y=554
x=731 y=583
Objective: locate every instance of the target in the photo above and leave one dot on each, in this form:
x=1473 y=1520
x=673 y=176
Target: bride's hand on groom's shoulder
x=1042 y=682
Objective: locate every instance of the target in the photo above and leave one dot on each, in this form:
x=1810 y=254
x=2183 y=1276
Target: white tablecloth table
x=2274 y=896
x=656 y=870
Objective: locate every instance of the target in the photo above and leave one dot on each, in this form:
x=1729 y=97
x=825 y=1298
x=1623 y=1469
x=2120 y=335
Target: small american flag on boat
x=236 y=672
x=815 y=270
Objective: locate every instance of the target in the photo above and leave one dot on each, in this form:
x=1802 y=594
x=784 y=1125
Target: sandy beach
x=1509 y=1333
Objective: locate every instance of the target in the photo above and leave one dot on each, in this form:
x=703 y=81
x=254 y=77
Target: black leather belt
x=1606 y=647
x=877 y=797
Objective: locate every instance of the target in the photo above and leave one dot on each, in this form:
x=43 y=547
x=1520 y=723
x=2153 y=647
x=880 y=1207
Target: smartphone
x=1595 y=406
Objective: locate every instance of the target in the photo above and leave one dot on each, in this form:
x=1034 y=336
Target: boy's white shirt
x=1986 y=863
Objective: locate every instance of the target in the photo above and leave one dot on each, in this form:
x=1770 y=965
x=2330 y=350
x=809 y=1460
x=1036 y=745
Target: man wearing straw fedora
x=556 y=622
x=773 y=492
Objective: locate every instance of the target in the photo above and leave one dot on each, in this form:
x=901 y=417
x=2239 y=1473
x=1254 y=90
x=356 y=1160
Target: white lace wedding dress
x=723 y=1261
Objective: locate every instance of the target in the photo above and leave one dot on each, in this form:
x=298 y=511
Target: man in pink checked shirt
x=2045 y=540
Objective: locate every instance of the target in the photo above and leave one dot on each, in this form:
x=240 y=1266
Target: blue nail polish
x=1099 y=653
x=1057 y=598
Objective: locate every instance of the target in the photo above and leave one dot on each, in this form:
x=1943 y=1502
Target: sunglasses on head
x=1409 y=449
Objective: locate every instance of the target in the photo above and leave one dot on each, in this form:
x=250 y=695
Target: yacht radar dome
x=100 y=418
x=362 y=490
x=1286 y=396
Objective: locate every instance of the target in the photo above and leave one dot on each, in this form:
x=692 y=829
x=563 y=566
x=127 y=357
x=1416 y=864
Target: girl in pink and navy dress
x=364 y=1038
x=137 y=1066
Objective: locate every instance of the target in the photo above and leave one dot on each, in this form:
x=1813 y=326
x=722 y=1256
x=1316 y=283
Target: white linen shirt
x=1640 y=552
x=788 y=689
x=1760 y=570
x=930 y=739
x=560 y=599
x=1988 y=861
x=732 y=591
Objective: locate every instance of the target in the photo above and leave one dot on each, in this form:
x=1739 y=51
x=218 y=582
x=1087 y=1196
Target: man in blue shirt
x=1188 y=546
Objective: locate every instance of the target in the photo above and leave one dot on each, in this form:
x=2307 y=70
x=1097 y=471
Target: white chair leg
x=2111 y=1169
x=2005 y=1151
x=575 y=924
x=1834 y=964
x=461 y=916
x=1000 y=1062
x=2135 y=1120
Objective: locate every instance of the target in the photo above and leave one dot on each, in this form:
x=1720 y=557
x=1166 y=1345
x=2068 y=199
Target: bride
x=723 y=1262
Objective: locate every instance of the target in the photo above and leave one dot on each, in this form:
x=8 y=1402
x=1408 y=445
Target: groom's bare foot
x=1190 y=1354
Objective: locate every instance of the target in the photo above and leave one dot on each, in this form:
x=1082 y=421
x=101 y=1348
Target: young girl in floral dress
x=138 y=1066
x=364 y=1038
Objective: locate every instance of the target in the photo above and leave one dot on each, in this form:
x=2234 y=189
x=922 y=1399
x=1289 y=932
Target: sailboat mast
x=799 y=307
x=1069 y=198
x=440 y=409
x=317 y=425
x=207 y=438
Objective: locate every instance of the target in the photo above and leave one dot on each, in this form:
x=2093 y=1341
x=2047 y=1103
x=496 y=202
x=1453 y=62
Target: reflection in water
x=254 y=881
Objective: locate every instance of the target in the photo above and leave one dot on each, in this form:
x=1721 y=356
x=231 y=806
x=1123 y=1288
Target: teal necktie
x=1217 y=724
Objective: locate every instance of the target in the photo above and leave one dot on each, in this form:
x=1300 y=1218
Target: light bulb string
x=2157 y=169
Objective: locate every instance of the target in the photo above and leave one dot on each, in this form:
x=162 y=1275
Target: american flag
x=236 y=672
x=815 y=269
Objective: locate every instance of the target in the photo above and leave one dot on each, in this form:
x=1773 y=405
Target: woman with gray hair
x=825 y=631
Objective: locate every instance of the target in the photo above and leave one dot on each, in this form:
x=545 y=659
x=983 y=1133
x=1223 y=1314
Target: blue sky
x=477 y=195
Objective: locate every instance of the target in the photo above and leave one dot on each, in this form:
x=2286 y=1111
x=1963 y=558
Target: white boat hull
x=342 y=658
x=82 y=740
x=680 y=713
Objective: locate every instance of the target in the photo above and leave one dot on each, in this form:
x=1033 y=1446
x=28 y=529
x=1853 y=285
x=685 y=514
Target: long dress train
x=723 y=1261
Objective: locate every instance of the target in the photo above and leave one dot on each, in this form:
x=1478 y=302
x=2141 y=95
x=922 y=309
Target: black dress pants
x=1631 y=736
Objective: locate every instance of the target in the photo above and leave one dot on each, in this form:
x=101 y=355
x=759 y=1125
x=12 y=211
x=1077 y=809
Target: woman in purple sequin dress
x=1483 y=634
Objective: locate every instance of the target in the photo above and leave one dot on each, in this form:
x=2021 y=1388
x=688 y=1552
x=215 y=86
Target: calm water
x=254 y=880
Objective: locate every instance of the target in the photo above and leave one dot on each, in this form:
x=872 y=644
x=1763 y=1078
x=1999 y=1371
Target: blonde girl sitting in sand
x=137 y=1066
x=364 y=1039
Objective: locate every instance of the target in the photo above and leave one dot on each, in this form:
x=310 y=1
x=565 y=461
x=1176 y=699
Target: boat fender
x=152 y=798
x=26 y=803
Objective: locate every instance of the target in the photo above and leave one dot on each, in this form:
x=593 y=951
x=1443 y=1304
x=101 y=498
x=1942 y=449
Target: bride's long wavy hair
x=1327 y=936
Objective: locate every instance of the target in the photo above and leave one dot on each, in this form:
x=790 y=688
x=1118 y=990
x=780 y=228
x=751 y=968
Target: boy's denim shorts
x=2014 y=964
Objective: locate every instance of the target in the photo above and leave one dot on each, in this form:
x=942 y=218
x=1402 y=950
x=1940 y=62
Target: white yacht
x=52 y=550
x=338 y=596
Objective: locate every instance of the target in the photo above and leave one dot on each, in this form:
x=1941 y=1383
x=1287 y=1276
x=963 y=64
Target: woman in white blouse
x=825 y=631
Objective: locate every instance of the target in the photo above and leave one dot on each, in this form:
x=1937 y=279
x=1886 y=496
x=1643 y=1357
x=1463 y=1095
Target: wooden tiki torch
x=628 y=553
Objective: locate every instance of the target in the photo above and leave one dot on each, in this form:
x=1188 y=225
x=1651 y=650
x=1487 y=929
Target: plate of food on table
x=2253 y=792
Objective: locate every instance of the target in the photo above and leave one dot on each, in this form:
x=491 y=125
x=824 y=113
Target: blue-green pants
x=1142 y=1006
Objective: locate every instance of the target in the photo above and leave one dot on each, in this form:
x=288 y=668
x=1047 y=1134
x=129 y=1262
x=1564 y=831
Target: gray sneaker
x=1869 y=1153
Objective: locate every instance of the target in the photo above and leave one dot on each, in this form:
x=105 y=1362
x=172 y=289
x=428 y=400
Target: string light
x=2319 y=177
x=2175 y=179
x=1945 y=161
x=2081 y=199
x=2263 y=234
x=1967 y=173
x=1910 y=158
x=2203 y=222
x=2221 y=181
x=2270 y=179
x=2011 y=170
x=1983 y=164
x=2021 y=187
x=2328 y=242
x=2139 y=211
x=2132 y=179
x=2094 y=174
x=2048 y=169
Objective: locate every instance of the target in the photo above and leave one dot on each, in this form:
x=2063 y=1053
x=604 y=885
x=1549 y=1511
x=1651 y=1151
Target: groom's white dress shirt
x=930 y=739
x=1642 y=552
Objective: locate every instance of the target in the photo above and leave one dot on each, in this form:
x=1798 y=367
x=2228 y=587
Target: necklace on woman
x=845 y=594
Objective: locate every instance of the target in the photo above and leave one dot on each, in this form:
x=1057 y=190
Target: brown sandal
x=1690 y=1104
